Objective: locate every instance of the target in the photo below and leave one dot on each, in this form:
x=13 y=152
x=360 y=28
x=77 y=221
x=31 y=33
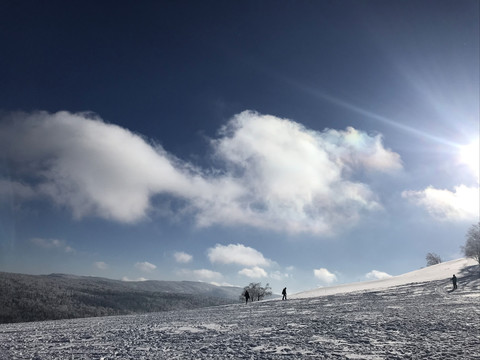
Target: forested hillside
x=59 y=296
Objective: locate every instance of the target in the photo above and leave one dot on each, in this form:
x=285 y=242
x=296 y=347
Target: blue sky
x=300 y=143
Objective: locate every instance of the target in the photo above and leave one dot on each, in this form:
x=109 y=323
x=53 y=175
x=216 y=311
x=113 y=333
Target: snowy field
x=407 y=321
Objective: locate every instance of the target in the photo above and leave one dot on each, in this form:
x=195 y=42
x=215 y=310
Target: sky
x=297 y=143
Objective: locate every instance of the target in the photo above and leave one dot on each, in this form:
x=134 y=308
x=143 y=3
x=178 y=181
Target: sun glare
x=470 y=155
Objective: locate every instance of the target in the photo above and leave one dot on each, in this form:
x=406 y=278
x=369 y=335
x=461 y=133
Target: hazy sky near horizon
x=299 y=143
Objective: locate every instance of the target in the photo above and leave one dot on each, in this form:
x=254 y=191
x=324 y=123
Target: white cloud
x=377 y=275
x=237 y=254
x=285 y=177
x=125 y=278
x=324 y=275
x=207 y=274
x=145 y=266
x=100 y=265
x=357 y=149
x=89 y=166
x=462 y=204
x=182 y=257
x=203 y=274
x=255 y=272
x=275 y=173
x=53 y=244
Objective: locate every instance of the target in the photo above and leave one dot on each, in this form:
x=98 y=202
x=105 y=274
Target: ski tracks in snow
x=414 y=321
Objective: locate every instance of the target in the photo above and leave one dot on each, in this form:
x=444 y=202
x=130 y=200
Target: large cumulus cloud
x=91 y=167
x=294 y=178
x=272 y=173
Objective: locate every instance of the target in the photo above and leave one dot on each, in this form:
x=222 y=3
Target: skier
x=284 y=293
x=247 y=296
x=454 y=281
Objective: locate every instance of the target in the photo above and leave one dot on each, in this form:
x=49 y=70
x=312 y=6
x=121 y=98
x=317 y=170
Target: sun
x=470 y=156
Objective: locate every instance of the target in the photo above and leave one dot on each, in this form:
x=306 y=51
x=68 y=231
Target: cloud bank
x=272 y=173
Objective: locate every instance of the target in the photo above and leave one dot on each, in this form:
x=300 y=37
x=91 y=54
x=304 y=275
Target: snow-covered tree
x=472 y=244
x=264 y=291
x=256 y=291
x=433 y=259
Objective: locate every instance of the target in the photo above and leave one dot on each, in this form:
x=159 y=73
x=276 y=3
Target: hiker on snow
x=247 y=296
x=454 y=281
x=284 y=293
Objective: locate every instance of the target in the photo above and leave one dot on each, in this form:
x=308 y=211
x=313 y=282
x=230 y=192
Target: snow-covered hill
x=60 y=296
x=442 y=271
x=403 y=320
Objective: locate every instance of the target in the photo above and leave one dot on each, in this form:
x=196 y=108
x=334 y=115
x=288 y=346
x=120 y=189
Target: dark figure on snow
x=454 y=281
x=284 y=293
x=247 y=296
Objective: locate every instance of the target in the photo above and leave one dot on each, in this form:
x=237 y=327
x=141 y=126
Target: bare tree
x=264 y=291
x=433 y=259
x=256 y=291
x=472 y=244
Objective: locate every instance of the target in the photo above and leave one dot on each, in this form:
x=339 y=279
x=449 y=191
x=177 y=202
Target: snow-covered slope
x=406 y=317
x=442 y=271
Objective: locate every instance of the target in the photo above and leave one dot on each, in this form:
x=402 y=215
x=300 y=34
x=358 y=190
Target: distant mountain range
x=60 y=296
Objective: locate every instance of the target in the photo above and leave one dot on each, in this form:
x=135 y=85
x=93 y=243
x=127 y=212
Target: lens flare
x=470 y=156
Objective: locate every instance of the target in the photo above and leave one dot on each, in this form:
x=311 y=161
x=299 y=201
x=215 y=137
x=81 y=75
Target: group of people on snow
x=284 y=291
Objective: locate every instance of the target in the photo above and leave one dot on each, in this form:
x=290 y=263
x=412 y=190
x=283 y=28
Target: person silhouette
x=454 y=281
x=284 y=293
x=247 y=296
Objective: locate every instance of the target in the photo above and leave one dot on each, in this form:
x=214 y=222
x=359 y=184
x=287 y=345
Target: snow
x=442 y=271
x=405 y=318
